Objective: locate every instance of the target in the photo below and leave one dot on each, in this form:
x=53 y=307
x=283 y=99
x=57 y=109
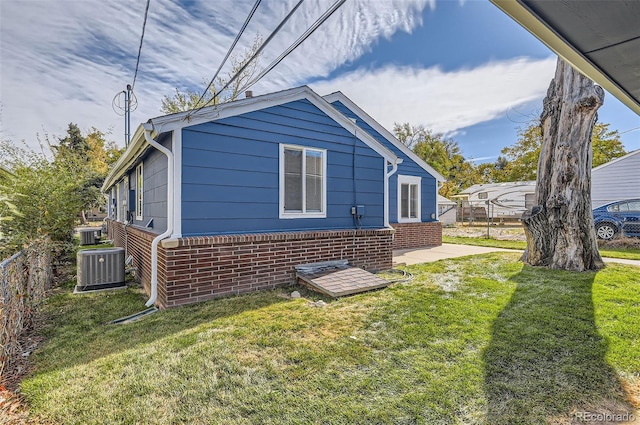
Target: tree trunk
x=559 y=229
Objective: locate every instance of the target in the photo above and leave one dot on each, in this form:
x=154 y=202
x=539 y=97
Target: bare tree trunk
x=559 y=229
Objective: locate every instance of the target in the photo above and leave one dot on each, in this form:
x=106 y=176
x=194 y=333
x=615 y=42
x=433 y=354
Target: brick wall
x=200 y=268
x=417 y=235
x=137 y=243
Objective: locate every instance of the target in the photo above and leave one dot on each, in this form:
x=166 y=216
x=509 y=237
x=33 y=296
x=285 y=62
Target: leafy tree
x=41 y=196
x=88 y=159
x=522 y=157
x=444 y=155
x=185 y=101
x=44 y=197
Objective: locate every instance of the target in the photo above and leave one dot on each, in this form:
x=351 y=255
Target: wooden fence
x=24 y=280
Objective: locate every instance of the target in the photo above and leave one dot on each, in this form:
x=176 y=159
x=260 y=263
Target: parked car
x=618 y=218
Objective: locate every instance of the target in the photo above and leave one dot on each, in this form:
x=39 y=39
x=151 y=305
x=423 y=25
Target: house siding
x=408 y=167
x=230 y=174
x=154 y=187
x=620 y=180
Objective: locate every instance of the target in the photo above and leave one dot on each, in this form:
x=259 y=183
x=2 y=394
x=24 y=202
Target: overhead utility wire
x=233 y=45
x=296 y=43
x=262 y=46
x=144 y=24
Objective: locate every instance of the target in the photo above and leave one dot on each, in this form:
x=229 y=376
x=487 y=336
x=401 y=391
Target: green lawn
x=476 y=340
x=625 y=253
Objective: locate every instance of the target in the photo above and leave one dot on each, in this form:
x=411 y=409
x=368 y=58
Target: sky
x=461 y=68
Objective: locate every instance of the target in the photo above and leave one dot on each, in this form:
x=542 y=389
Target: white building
x=617 y=179
x=505 y=200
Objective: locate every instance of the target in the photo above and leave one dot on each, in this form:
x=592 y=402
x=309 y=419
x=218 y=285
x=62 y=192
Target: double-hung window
x=139 y=191
x=303 y=182
x=408 y=199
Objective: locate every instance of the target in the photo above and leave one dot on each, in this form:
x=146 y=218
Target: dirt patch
x=516 y=233
x=508 y=233
x=620 y=243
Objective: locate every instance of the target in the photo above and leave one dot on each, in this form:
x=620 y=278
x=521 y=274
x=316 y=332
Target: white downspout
x=148 y=128
x=394 y=168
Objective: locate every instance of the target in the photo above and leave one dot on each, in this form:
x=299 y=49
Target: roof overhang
x=342 y=98
x=599 y=38
x=178 y=121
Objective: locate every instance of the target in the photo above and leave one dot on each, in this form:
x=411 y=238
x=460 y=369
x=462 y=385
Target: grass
x=623 y=253
x=476 y=340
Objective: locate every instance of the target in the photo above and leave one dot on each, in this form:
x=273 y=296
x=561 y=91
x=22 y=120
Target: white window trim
x=304 y=149
x=139 y=191
x=410 y=180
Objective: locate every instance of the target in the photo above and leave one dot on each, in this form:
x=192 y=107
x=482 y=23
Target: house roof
x=445 y=201
x=339 y=96
x=167 y=123
x=494 y=186
x=599 y=38
x=613 y=161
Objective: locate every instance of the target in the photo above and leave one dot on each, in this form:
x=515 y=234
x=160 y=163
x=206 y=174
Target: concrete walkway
x=426 y=255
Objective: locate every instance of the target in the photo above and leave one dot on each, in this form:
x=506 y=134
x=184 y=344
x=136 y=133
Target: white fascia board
x=244 y=106
x=613 y=161
x=176 y=122
x=339 y=96
x=550 y=37
x=133 y=151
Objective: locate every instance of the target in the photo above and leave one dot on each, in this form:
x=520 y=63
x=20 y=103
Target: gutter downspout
x=148 y=128
x=394 y=168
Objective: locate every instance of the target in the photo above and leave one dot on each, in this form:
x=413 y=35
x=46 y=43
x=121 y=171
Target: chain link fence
x=24 y=280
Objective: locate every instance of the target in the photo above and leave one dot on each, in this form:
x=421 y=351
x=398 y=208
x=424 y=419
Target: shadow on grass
x=77 y=329
x=546 y=360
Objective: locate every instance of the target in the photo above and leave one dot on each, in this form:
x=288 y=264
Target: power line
x=233 y=45
x=144 y=24
x=257 y=52
x=296 y=43
x=630 y=130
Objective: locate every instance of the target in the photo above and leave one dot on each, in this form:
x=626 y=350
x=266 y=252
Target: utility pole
x=127 y=114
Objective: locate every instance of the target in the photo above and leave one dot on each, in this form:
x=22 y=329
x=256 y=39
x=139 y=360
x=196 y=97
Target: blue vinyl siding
x=408 y=168
x=230 y=172
x=154 y=187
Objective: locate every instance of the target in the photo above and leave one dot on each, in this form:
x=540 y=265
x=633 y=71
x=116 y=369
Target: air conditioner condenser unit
x=101 y=268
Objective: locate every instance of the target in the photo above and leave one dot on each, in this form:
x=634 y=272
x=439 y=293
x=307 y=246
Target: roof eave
x=339 y=96
x=176 y=122
x=541 y=30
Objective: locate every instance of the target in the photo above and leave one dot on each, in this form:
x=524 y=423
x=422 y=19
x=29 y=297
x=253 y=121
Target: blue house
x=229 y=198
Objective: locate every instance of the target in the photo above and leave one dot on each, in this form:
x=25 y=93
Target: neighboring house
x=230 y=198
x=616 y=180
x=446 y=210
x=507 y=201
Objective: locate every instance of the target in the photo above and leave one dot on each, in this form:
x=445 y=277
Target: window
x=139 y=191
x=408 y=199
x=634 y=206
x=483 y=195
x=302 y=182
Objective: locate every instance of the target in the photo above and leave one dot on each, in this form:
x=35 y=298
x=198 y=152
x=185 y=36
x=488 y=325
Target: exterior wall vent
x=100 y=269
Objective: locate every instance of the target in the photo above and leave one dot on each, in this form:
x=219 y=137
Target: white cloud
x=445 y=102
x=64 y=60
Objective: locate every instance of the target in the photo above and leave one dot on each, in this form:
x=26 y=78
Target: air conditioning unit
x=87 y=237
x=101 y=268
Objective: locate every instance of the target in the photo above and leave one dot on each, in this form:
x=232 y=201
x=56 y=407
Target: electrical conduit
x=148 y=128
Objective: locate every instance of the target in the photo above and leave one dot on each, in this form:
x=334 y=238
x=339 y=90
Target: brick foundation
x=417 y=235
x=195 y=269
